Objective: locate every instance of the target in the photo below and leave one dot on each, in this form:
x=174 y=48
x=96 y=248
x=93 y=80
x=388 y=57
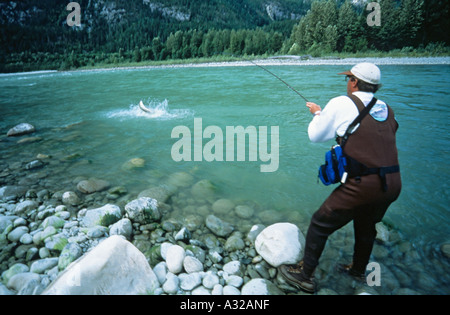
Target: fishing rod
x=273 y=74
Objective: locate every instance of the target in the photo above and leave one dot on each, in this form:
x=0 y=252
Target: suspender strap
x=358 y=120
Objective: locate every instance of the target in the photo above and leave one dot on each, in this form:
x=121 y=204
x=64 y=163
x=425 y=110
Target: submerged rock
x=70 y=198
x=445 y=249
x=12 y=192
x=180 y=179
x=92 y=185
x=20 y=130
x=160 y=193
x=218 y=227
x=223 y=206
x=203 y=189
x=133 y=164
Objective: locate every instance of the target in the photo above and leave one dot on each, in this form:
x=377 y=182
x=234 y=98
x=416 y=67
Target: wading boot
x=348 y=270
x=295 y=275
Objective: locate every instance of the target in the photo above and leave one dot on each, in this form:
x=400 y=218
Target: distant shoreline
x=271 y=61
x=291 y=61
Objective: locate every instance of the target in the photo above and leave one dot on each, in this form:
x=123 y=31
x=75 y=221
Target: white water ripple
x=157 y=110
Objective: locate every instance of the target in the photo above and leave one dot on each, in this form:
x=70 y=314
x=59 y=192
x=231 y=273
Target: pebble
x=192 y=264
x=175 y=258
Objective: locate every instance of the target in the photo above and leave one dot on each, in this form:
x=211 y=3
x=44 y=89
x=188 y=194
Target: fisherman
x=374 y=180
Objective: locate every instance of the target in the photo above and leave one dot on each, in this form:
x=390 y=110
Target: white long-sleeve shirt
x=339 y=113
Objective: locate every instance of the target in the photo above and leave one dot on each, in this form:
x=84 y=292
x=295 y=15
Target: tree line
x=329 y=26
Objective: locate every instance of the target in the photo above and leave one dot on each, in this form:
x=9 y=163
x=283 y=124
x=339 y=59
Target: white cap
x=367 y=72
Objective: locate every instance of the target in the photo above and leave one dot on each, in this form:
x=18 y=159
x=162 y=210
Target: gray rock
x=20 y=130
x=234 y=243
x=235 y=281
x=217 y=290
x=69 y=254
x=218 y=227
x=223 y=206
x=181 y=179
x=254 y=232
x=230 y=290
x=56 y=242
x=71 y=198
x=4 y=291
x=26 y=239
x=19 y=281
x=12 y=192
x=172 y=284
x=188 y=282
x=143 y=210
x=260 y=287
x=19 y=222
x=183 y=235
x=160 y=271
x=233 y=268
x=14 y=270
x=97 y=231
x=382 y=232
x=122 y=227
x=210 y=280
x=92 y=185
x=54 y=221
x=25 y=206
x=42 y=265
x=203 y=189
x=160 y=193
x=192 y=264
x=201 y=290
x=105 y=216
x=17 y=233
x=33 y=165
x=5 y=222
x=244 y=212
x=445 y=249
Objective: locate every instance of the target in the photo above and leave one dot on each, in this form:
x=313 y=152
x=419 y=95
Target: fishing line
x=273 y=74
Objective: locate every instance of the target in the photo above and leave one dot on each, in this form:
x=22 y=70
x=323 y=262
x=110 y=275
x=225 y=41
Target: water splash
x=155 y=110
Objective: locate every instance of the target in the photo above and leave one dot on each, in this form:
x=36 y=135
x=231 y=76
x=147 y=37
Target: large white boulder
x=114 y=267
x=280 y=244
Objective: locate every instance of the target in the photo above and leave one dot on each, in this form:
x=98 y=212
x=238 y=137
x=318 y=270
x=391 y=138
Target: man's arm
x=333 y=119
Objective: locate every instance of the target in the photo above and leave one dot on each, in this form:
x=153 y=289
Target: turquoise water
x=94 y=116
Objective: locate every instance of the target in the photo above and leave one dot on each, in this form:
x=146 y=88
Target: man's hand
x=314 y=108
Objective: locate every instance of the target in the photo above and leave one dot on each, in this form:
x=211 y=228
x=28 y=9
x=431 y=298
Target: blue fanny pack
x=335 y=167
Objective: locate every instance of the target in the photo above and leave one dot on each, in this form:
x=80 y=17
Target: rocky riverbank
x=40 y=239
x=179 y=235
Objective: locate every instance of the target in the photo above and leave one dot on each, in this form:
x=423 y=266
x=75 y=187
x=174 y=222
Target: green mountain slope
x=34 y=26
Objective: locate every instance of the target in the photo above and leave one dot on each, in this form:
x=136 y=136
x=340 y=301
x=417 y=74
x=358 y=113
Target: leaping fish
x=143 y=108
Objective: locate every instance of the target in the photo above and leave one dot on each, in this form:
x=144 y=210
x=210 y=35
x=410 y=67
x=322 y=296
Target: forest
x=36 y=36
